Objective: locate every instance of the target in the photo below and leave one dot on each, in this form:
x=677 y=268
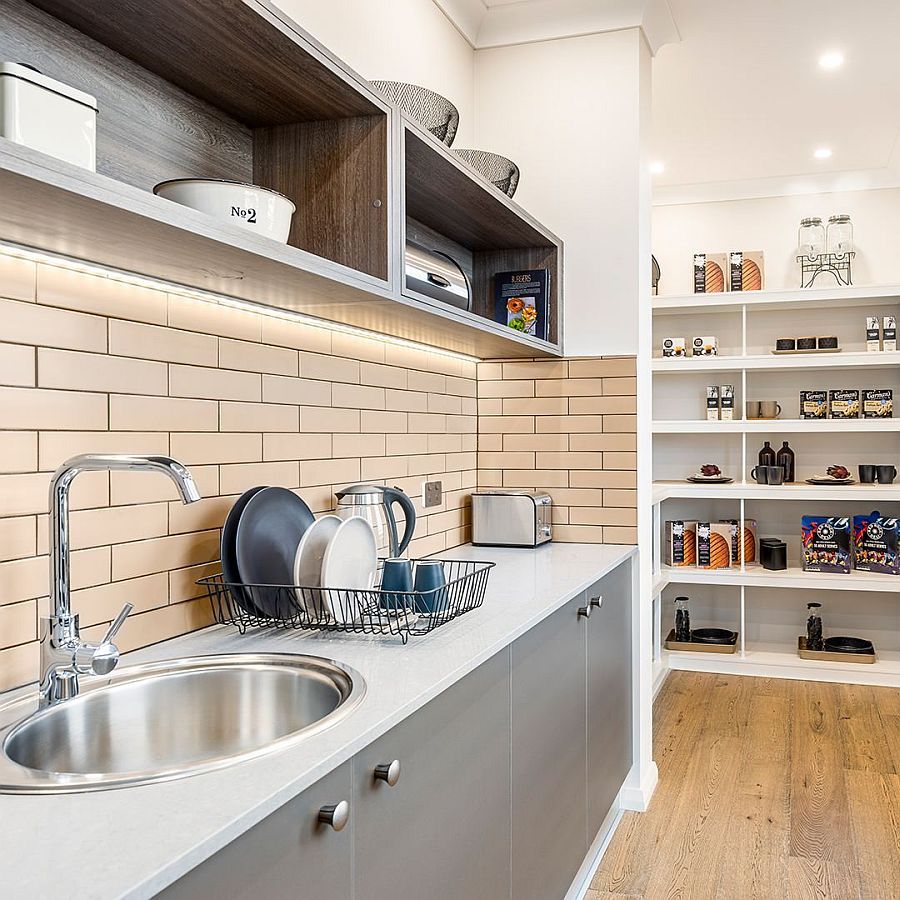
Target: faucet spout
x=63 y=654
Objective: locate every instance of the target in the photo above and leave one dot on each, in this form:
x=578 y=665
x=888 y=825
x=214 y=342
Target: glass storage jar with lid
x=840 y=235
x=811 y=237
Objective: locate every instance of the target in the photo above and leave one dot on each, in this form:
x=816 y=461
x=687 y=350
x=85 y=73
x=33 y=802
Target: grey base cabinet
x=549 y=826
x=498 y=787
x=609 y=693
x=287 y=855
x=443 y=829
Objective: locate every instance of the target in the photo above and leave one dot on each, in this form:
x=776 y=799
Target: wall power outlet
x=432 y=493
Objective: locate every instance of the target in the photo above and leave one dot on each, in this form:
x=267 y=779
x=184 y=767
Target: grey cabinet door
x=549 y=832
x=287 y=855
x=609 y=696
x=444 y=829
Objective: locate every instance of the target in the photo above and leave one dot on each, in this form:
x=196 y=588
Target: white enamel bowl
x=255 y=208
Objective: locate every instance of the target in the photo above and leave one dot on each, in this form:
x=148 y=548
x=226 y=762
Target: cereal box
x=875 y=544
x=826 y=544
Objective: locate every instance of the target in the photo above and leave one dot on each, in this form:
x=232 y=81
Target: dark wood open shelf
x=222 y=89
x=450 y=207
x=232 y=89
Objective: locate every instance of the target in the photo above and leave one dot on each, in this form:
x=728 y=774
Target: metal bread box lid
x=437 y=275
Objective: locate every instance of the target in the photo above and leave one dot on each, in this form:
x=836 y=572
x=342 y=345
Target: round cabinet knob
x=596 y=602
x=584 y=612
x=337 y=816
x=389 y=773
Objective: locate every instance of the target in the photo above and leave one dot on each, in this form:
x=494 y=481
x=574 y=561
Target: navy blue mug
x=396 y=583
x=430 y=585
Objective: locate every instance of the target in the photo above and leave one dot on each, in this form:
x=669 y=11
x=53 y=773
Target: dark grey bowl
x=713 y=636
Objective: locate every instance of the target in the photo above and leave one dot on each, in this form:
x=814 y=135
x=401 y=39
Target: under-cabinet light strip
x=19 y=251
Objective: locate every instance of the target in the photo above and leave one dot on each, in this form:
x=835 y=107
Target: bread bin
x=511 y=518
x=437 y=275
x=47 y=115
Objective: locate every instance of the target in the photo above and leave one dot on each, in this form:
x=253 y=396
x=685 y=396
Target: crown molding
x=528 y=21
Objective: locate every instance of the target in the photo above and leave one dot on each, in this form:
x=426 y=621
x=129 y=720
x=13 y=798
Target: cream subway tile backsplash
x=22 y=494
x=166 y=344
x=17 y=278
x=235 y=416
x=567 y=427
x=76 y=371
x=17 y=365
x=96 y=294
x=35 y=409
x=238 y=478
x=214 y=384
x=285 y=389
x=280 y=447
x=19 y=450
x=210 y=318
x=89 y=364
x=58 y=446
x=18 y=537
x=246 y=356
x=329 y=368
x=28 y=323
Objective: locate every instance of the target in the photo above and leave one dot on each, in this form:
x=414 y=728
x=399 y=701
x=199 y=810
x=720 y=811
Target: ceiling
x=740 y=104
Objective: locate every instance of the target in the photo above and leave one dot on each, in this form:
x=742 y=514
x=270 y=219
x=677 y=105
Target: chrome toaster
x=511 y=518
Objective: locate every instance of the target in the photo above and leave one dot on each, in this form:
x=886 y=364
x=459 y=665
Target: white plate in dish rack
x=311 y=554
x=350 y=563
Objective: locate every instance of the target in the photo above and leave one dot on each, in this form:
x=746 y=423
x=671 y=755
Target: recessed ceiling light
x=822 y=153
x=657 y=168
x=834 y=59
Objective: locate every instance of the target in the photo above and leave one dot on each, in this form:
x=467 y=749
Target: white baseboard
x=638 y=798
x=582 y=883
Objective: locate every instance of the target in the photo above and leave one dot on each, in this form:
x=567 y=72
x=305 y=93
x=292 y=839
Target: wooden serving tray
x=796 y=352
x=672 y=644
x=826 y=656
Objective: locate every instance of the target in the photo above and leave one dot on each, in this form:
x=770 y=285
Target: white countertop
x=135 y=841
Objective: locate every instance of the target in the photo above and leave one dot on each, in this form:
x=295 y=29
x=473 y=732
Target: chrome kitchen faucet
x=64 y=655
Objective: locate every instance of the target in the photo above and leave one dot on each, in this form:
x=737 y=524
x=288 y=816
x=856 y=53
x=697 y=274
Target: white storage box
x=47 y=115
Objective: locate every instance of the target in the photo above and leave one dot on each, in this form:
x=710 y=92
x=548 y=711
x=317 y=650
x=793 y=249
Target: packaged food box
x=876 y=545
x=705 y=345
x=873 y=334
x=746 y=270
x=813 y=405
x=681 y=543
x=878 y=404
x=709 y=273
x=712 y=402
x=844 y=403
x=713 y=545
x=673 y=346
x=826 y=544
x=889 y=333
x=745 y=541
x=726 y=395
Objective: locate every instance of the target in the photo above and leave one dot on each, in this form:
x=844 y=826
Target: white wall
x=397 y=40
x=770 y=224
x=568 y=112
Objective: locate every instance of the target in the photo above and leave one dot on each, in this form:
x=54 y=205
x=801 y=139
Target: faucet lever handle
x=117 y=623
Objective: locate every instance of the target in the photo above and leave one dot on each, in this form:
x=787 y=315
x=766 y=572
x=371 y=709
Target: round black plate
x=268 y=533
x=713 y=636
x=848 y=645
x=230 y=571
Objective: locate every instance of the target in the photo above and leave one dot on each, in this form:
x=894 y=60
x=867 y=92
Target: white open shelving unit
x=769 y=608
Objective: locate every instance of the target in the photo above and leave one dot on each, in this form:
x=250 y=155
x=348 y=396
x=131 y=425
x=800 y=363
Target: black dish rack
x=358 y=611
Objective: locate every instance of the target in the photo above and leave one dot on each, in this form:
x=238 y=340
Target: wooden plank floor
x=768 y=789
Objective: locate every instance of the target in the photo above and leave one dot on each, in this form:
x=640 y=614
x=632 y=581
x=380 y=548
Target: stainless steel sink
x=166 y=720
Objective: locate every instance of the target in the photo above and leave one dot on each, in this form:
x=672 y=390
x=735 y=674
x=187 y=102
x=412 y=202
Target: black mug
x=886 y=474
x=867 y=474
